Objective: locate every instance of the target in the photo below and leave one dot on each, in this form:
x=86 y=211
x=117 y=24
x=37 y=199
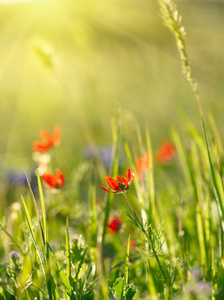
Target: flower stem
x=132 y=208
x=159 y=263
x=147 y=236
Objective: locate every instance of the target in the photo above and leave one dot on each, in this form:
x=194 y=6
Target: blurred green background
x=72 y=63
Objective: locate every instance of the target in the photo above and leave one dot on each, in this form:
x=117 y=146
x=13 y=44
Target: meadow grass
x=159 y=236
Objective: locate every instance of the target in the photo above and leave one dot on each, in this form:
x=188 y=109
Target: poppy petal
x=140 y=165
x=60 y=177
x=165 y=153
x=41 y=146
x=108 y=182
x=112 y=183
x=118 y=186
x=125 y=181
x=46 y=137
x=114 y=224
x=50 y=179
x=107 y=189
x=57 y=136
x=119 y=179
x=132 y=177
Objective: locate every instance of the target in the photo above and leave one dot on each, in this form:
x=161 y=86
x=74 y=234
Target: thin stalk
x=68 y=252
x=157 y=259
x=124 y=261
x=132 y=208
x=127 y=260
x=147 y=236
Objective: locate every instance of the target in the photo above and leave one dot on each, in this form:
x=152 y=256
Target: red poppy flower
x=49 y=141
x=142 y=165
x=54 y=182
x=121 y=185
x=52 y=140
x=114 y=225
x=41 y=147
x=165 y=153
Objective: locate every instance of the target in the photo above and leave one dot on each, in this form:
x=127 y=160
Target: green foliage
x=121 y=291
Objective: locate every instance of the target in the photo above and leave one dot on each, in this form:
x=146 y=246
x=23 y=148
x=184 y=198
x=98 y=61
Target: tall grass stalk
x=114 y=166
x=173 y=21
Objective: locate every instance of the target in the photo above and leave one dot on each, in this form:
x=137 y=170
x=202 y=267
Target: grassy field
x=91 y=90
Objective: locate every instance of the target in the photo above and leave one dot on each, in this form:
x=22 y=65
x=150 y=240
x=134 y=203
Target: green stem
x=159 y=263
x=132 y=208
x=147 y=236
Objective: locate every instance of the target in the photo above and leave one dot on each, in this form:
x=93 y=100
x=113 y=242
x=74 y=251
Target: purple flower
x=104 y=153
x=14 y=255
x=16 y=178
x=203 y=286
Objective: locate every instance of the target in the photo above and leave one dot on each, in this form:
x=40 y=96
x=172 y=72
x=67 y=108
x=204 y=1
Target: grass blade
x=45 y=229
x=68 y=256
x=93 y=214
x=32 y=235
x=64 y=279
x=127 y=260
x=217 y=182
x=114 y=166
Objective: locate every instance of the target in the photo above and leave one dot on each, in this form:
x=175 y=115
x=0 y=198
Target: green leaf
x=130 y=291
x=118 y=288
x=82 y=270
x=79 y=269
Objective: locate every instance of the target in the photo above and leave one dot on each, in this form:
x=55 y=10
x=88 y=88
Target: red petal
x=119 y=179
x=165 y=153
x=60 y=177
x=50 y=179
x=129 y=174
x=140 y=164
x=108 y=179
x=107 y=189
x=114 y=224
x=118 y=220
x=57 y=136
x=46 y=137
x=125 y=181
x=112 y=183
x=132 y=177
x=41 y=146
